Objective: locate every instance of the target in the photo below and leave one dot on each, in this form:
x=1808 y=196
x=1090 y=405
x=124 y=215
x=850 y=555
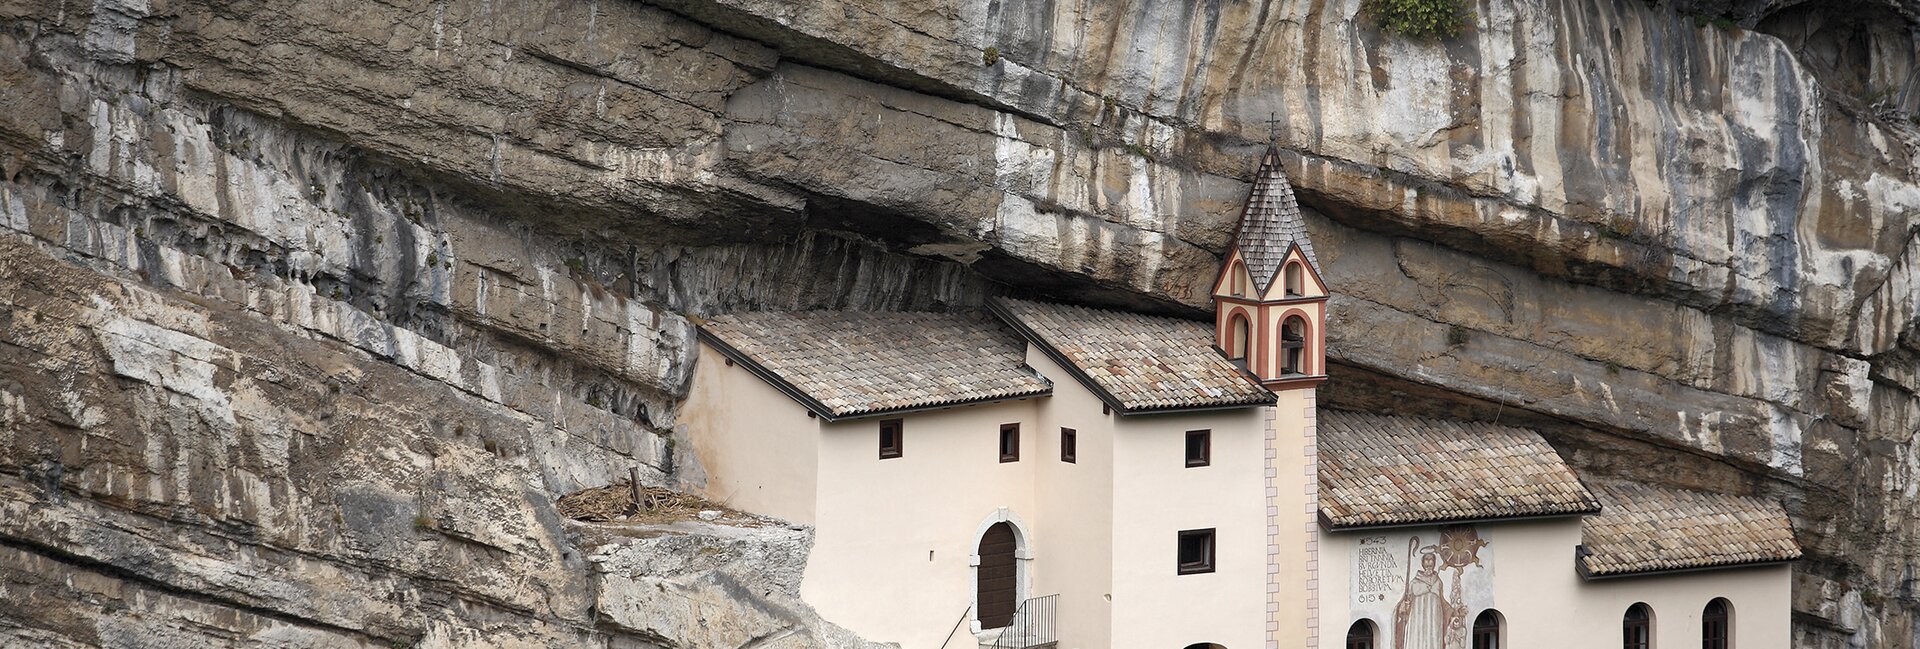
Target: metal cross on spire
x=1273 y=127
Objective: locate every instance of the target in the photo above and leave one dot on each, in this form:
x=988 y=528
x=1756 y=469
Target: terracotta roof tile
x=856 y=363
x=1651 y=529
x=1142 y=362
x=1395 y=470
x=1271 y=223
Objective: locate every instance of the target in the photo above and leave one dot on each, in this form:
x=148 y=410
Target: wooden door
x=998 y=577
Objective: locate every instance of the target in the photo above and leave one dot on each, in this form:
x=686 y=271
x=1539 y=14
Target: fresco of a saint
x=1421 y=619
x=1429 y=614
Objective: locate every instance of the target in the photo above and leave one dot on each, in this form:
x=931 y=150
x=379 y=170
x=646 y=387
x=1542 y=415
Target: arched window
x=1238 y=280
x=1716 y=625
x=1296 y=280
x=1293 y=345
x=1486 y=630
x=1360 y=635
x=1636 y=629
x=1237 y=337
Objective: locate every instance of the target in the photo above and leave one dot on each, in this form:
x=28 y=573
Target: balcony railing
x=1032 y=626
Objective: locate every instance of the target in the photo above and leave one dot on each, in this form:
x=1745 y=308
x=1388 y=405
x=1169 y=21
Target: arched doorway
x=998 y=578
x=1205 y=645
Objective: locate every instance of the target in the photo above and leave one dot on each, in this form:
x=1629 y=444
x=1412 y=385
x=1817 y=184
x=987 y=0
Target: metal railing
x=1032 y=625
x=956 y=626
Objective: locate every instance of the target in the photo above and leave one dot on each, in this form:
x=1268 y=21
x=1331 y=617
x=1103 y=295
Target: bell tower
x=1269 y=303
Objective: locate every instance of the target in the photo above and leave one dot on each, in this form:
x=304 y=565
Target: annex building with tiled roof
x=1444 y=533
x=1036 y=473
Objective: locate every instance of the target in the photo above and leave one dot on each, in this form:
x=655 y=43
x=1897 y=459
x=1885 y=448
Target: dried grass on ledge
x=614 y=504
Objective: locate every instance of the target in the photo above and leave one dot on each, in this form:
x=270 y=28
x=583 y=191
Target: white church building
x=1036 y=474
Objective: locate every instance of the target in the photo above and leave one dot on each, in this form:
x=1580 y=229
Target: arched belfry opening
x=1293 y=346
x=1296 y=280
x=1237 y=338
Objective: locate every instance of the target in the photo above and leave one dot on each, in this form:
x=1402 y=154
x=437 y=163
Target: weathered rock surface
x=310 y=308
x=709 y=585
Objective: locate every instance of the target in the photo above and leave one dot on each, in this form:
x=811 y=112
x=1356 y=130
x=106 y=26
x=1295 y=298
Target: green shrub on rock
x=1420 y=18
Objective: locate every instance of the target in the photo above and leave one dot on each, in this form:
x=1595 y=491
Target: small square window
x=892 y=442
x=1009 y=442
x=1069 y=445
x=1199 y=448
x=1196 y=551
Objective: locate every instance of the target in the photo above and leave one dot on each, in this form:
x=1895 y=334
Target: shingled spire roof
x=1270 y=222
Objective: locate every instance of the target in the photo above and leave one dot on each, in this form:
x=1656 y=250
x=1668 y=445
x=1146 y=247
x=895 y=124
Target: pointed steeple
x=1278 y=329
x=1271 y=223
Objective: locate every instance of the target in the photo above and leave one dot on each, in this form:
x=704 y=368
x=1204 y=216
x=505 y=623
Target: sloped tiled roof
x=1271 y=223
x=1378 y=470
x=1652 y=529
x=1137 y=362
x=854 y=363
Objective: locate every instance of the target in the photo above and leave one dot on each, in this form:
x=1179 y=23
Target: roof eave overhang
x=1581 y=551
x=1290 y=382
x=792 y=391
x=999 y=309
x=1174 y=410
x=935 y=406
x=1360 y=527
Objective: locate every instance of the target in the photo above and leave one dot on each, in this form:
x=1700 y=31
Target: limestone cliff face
x=308 y=309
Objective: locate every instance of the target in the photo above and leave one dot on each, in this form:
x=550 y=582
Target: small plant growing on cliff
x=990 y=56
x=1722 y=22
x=1875 y=97
x=1621 y=227
x=1458 y=336
x=1420 y=18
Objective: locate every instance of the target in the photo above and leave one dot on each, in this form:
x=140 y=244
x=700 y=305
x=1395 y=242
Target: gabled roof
x=1659 y=529
x=1383 y=470
x=1136 y=363
x=847 y=364
x=1271 y=223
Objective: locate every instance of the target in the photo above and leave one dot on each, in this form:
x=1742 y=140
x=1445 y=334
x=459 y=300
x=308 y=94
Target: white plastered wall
x=894 y=539
x=1155 y=497
x=753 y=442
x=1074 y=515
x=1547 y=604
